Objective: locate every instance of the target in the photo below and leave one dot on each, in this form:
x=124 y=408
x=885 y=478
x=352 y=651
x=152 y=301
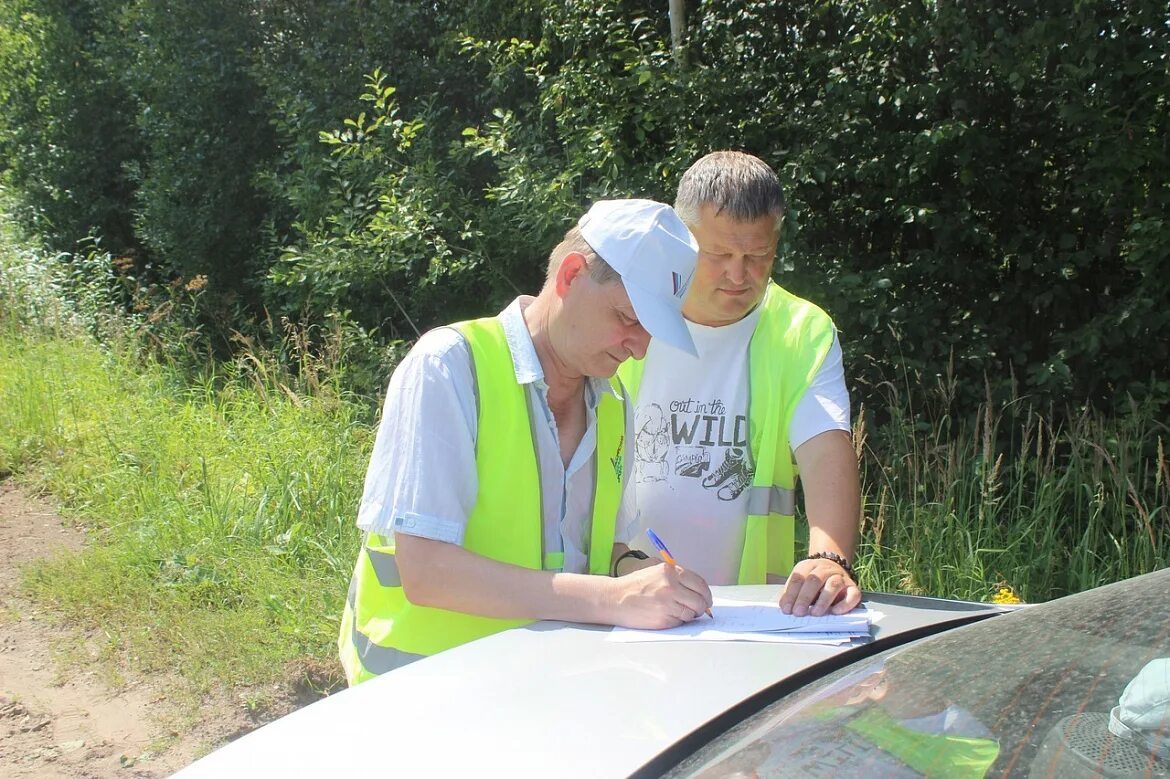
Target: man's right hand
x=661 y=596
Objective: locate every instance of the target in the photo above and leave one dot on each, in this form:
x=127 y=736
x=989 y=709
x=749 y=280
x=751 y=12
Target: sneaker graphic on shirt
x=735 y=486
x=733 y=462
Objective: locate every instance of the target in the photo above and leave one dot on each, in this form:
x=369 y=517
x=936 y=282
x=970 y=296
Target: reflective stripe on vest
x=771 y=500
x=366 y=658
x=381 y=629
x=789 y=344
x=385 y=567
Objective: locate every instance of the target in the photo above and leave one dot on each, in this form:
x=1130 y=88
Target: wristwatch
x=637 y=554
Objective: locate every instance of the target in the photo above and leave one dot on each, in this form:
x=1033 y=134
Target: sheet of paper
x=735 y=620
x=637 y=636
x=746 y=616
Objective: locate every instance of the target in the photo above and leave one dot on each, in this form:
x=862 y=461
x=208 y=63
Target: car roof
x=549 y=697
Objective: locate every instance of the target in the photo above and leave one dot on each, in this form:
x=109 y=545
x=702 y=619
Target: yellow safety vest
x=790 y=341
x=380 y=628
x=934 y=756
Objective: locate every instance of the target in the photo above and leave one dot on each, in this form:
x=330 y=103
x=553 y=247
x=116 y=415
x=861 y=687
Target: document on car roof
x=737 y=620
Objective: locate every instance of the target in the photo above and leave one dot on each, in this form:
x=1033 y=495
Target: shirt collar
x=525 y=363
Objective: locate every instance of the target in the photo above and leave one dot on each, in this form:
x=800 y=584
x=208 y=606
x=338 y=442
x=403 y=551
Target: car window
x=1076 y=687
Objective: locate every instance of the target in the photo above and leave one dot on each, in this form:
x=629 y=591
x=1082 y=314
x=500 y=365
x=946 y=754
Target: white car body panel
x=548 y=699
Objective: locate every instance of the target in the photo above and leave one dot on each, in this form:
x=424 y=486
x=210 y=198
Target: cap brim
x=660 y=319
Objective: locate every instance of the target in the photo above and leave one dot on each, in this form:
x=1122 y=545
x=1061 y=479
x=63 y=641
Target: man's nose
x=637 y=342
x=736 y=270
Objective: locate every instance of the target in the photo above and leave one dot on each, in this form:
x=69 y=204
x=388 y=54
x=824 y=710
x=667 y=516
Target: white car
x=932 y=695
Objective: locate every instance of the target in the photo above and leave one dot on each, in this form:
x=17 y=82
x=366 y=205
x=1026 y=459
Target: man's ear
x=573 y=267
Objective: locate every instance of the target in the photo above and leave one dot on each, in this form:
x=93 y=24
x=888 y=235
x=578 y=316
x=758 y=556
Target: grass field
x=222 y=516
x=221 y=506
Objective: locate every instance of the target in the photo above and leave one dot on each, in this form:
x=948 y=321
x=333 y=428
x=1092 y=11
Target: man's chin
x=605 y=368
x=736 y=308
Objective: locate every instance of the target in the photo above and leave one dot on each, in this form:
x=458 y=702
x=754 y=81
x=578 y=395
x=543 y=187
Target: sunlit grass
x=221 y=511
x=967 y=507
x=221 y=517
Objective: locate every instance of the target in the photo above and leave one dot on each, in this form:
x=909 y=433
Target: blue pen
x=666 y=555
x=661 y=547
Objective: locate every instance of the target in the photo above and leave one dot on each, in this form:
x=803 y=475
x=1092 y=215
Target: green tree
x=67 y=130
x=205 y=125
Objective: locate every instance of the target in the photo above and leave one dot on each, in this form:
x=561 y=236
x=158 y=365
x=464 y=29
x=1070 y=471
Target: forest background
x=225 y=221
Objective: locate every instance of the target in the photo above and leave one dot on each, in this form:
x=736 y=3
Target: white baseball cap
x=655 y=254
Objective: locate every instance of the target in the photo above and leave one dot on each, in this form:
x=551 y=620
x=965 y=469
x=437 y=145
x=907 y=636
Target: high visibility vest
x=788 y=346
x=380 y=628
x=936 y=756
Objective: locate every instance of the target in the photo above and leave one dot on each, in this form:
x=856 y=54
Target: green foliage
x=224 y=508
x=967 y=505
x=974 y=187
x=204 y=124
x=973 y=203
x=41 y=294
x=959 y=195
x=394 y=233
x=599 y=123
x=309 y=60
x=67 y=129
x=386 y=225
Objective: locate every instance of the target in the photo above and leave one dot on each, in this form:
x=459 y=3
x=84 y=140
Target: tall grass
x=1008 y=498
x=220 y=507
x=222 y=513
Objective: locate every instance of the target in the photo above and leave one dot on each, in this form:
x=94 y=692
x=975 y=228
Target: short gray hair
x=736 y=184
x=599 y=270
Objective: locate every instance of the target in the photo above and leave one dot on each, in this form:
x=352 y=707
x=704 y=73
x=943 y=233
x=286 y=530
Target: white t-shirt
x=422 y=478
x=692 y=457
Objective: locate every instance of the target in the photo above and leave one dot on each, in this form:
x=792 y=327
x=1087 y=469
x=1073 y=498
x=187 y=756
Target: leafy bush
x=977 y=189
x=204 y=122
x=974 y=188
x=67 y=129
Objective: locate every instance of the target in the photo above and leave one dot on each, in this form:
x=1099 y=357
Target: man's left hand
x=819 y=587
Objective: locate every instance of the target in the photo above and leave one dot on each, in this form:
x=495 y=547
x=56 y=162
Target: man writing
x=766 y=398
x=497 y=474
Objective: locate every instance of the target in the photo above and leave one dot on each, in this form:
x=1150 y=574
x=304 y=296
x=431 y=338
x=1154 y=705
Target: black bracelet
x=836 y=558
x=637 y=554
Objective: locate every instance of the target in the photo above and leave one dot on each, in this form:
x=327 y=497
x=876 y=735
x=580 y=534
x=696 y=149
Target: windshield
x=1076 y=687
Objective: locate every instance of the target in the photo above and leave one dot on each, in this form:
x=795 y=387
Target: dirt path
x=63 y=721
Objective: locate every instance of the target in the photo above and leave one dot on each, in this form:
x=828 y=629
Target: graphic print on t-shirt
x=651 y=444
x=696 y=440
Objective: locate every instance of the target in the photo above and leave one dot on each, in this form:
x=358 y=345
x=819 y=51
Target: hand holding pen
x=666 y=555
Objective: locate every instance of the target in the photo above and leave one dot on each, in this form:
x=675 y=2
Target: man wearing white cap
x=498 y=472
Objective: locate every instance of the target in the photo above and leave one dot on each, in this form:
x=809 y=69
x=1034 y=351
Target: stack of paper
x=736 y=620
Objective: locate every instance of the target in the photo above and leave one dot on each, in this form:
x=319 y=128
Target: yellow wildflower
x=1006 y=596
